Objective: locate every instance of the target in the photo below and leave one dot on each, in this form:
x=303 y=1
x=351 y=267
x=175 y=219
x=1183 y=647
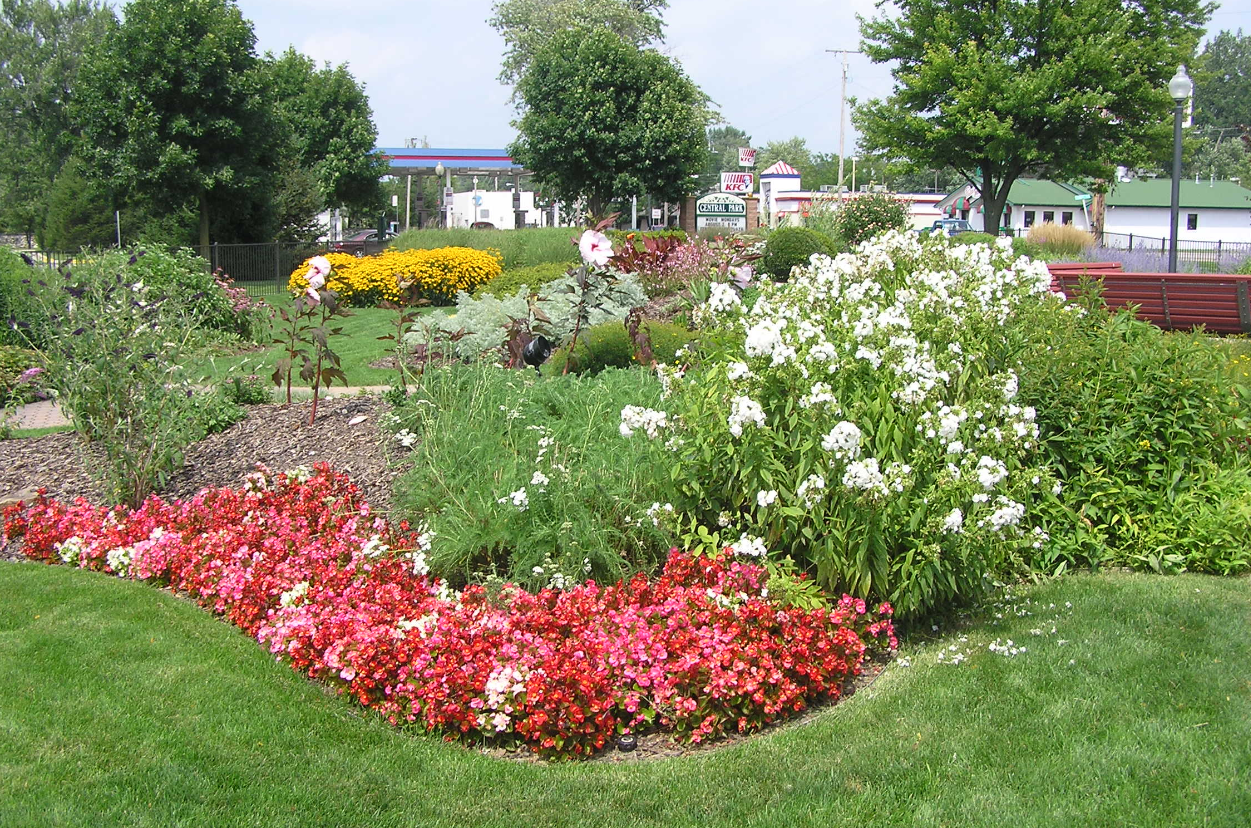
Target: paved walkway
x=47 y=414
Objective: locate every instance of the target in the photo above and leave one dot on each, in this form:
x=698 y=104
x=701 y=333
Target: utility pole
x=842 y=113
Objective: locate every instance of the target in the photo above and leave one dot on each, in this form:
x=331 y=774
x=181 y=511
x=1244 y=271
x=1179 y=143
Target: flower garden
x=708 y=544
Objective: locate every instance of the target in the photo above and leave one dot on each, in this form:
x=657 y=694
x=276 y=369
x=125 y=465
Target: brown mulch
x=347 y=435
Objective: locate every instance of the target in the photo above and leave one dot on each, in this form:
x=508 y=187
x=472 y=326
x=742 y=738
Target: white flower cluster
x=722 y=297
x=406 y=438
x=810 y=489
x=655 y=510
x=1008 y=513
x=294 y=596
x=70 y=549
x=519 y=498
x=765 y=499
x=749 y=547
x=649 y=421
x=843 y=441
x=744 y=410
x=118 y=559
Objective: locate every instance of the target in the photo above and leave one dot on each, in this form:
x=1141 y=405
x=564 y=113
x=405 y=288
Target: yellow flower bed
x=434 y=274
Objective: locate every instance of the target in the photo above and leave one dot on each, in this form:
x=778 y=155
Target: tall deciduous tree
x=528 y=25
x=41 y=48
x=603 y=119
x=793 y=151
x=1000 y=89
x=329 y=128
x=173 y=104
x=723 y=146
x=1223 y=82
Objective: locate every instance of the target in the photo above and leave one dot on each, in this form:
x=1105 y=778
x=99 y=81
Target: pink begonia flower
x=595 y=248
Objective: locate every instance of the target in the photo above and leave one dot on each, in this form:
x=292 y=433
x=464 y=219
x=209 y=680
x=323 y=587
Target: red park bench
x=1174 y=301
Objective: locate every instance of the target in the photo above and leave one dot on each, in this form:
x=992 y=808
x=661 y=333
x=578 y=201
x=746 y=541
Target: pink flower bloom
x=314 y=297
x=318 y=270
x=595 y=248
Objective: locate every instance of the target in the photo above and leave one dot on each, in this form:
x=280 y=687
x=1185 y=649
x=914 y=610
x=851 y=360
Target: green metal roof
x=1037 y=191
x=1158 y=192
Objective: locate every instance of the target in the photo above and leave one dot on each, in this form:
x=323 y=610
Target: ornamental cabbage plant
x=864 y=420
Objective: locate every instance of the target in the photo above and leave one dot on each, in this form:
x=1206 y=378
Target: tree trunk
x=993 y=199
x=204 y=222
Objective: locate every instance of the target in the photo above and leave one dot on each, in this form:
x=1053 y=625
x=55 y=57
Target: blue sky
x=430 y=66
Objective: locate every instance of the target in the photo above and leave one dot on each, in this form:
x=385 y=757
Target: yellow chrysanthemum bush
x=437 y=275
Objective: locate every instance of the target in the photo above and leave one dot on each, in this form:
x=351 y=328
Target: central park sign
x=721 y=211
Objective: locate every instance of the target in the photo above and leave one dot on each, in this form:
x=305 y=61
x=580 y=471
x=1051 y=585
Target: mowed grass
x=357 y=346
x=124 y=705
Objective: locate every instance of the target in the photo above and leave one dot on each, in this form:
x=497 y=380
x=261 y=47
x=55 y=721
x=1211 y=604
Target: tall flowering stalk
x=301 y=333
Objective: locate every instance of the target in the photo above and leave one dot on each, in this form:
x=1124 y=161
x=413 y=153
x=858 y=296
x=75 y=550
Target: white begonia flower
x=765 y=499
x=745 y=410
x=843 y=441
x=595 y=248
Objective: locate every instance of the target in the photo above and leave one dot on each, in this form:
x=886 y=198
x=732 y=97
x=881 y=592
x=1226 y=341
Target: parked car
x=952 y=227
x=360 y=242
x=482 y=225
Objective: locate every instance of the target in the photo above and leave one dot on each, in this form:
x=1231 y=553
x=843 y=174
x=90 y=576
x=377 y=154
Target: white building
x=1030 y=201
x=1210 y=211
x=495 y=207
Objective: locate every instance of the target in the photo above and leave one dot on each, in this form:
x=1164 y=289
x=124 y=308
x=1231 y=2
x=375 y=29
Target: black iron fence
x=1212 y=256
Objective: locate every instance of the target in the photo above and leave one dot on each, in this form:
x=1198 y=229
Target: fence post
x=277 y=265
x=1244 y=307
x=1131 y=242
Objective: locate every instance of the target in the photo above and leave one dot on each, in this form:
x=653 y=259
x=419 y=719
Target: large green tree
x=723 y=145
x=41 y=49
x=603 y=119
x=329 y=128
x=173 y=104
x=1001 y=89
x=528 y=25
x=1223 y=82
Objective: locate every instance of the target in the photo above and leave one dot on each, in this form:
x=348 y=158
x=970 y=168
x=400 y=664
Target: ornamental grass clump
x=864 y=419
x=299 y=562
x=436 y=275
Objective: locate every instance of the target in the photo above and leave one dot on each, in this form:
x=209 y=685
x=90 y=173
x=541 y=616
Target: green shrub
x=867 y=216
x=788 y=247
x=608 y=345
x=1137 y=422
x=534 y=277
x=17 y=279
x=488 y=442
x=519 y=248
x=619 y=238
x=249 y=390
x=183 y=279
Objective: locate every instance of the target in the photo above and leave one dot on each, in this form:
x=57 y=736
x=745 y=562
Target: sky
x=431 y=67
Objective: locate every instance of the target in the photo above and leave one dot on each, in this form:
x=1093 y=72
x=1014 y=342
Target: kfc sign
x=732 y=182
x=746 y=157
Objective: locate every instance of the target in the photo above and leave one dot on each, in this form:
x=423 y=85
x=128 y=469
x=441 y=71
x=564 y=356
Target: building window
x=1192 y=221
x=964 y=214
x=1049 y=216
x=1029 y=218
x=1066 y=217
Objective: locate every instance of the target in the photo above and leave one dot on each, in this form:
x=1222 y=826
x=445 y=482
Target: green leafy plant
x=789 y=247
x=323 y=365
x=533 y=277
x=611 y=345
x=247 y=390
x=866 y=216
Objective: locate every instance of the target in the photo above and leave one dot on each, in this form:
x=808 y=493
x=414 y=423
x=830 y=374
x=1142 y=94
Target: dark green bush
x=609 y=346
x=620 y=237
x=787 y=247
x=16 y=305
x=249 y=390
x=867 y=216
x=533 y=277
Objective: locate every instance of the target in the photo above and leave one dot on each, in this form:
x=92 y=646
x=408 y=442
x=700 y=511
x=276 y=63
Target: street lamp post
x=1179 y=88
x=439 y=170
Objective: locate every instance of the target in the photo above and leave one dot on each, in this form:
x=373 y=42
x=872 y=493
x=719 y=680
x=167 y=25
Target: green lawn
x=122 y=705
x=357 y=346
